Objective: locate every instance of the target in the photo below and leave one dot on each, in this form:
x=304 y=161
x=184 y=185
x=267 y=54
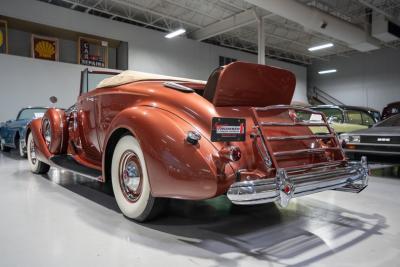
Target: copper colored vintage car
x=158 y=137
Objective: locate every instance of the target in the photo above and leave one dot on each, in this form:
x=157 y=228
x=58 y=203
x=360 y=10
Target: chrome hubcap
x=32 y=152
x=130 y=176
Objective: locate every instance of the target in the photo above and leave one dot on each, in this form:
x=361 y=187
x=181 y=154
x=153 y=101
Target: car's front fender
x=176 y=169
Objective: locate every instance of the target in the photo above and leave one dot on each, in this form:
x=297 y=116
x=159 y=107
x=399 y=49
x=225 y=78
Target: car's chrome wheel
x=130 y=181
x=130 y=176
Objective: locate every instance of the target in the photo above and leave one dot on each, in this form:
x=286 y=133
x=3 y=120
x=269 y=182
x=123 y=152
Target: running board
x=68 y=163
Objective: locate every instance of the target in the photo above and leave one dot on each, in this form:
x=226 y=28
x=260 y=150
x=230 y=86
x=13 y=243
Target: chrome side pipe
x=281 y=189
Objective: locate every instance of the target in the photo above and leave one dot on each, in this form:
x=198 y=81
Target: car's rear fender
x=176 y=169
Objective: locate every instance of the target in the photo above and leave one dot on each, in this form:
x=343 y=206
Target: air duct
x=318 y=21
x=383 y=29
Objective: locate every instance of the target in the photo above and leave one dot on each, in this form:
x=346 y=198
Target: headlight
x=354 y=138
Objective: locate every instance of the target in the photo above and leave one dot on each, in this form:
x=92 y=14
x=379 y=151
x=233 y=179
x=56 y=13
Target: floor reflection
x=304 y=233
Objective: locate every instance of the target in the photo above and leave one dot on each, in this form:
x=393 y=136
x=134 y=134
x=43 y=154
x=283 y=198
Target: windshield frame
x=84 y=86
x=22 y=110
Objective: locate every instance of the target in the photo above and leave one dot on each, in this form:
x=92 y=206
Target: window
x=354 y=117
x=333 y=114
x=367 y=119
x=226 y=60
x=31 y=113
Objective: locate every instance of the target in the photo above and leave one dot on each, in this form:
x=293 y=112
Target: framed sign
x=93 y=52
x=228 y=129
x=44 y=47
x=3 y=37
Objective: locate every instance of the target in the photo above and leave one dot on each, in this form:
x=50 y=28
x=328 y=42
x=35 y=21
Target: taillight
x=230 y=153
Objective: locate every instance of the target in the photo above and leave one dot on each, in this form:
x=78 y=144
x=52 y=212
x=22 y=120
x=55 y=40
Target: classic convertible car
x=12 y=133
x=158 y=137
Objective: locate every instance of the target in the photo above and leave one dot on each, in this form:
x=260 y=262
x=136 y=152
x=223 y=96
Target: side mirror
x=53 y=99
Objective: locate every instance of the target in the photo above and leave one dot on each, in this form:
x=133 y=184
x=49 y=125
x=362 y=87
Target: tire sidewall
x=21 y=151
x=133 y=210
x=34 y=167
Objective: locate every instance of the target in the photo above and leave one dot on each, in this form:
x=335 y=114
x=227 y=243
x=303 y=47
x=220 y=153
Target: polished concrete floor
x=63 y=220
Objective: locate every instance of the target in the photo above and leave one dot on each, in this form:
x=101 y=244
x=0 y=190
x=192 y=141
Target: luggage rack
x=263 y=140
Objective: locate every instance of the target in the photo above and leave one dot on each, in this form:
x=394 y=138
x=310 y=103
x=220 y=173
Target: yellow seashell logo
x=45 y=49
x=1 y=39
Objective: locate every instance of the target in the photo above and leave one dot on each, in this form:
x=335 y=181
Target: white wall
x=30 y=82
x=369 y=79
x=148 y=51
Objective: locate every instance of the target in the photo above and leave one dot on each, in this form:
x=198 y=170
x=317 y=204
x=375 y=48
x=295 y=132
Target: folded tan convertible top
x=130 y=76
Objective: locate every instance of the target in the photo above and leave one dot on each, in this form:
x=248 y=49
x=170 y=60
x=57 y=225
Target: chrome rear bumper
x=282 y=188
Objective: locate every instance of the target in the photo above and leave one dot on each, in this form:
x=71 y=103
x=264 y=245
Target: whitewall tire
x=36 y=165
x=130 y=181
x=22 y=153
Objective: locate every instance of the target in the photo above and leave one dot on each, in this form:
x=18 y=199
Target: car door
x=6 y=134
x=11 y=129
x=86 y=123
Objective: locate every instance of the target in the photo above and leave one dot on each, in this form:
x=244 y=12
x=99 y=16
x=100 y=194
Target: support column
x=261 y=40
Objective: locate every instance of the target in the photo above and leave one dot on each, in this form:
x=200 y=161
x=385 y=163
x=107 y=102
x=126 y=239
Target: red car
x=158 y=137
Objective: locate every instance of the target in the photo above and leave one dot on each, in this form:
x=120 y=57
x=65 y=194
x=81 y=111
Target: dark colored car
x=390 y=110
x=382 y=139
x=12 y=132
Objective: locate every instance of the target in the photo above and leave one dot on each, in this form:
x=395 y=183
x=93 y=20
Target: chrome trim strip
x=373 y=144
x=301 y=151
x=351 y=178
x=315 y=166
x=299 y=137
x=371 y=151
x=293 y=124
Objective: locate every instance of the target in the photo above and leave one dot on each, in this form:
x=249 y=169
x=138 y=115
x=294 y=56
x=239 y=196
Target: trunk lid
x=246 y=84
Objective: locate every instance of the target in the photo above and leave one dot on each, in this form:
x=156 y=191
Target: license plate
x=228 y=129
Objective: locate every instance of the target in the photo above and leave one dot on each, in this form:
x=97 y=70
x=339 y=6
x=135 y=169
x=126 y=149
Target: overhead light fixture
x=319 y=47
x=327 y=71
x=175 y=33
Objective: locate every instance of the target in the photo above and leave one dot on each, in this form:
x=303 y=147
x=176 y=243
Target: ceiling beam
x=231 y=23
x=316 y=20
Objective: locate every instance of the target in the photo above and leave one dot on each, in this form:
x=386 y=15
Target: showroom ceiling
x=232 y=23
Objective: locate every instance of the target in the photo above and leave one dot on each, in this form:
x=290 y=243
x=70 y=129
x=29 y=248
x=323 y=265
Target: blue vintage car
x=12 y=133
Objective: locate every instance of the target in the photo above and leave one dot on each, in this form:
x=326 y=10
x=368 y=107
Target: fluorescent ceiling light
x=327 y=71
x=175 y=33
x=319 y=47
